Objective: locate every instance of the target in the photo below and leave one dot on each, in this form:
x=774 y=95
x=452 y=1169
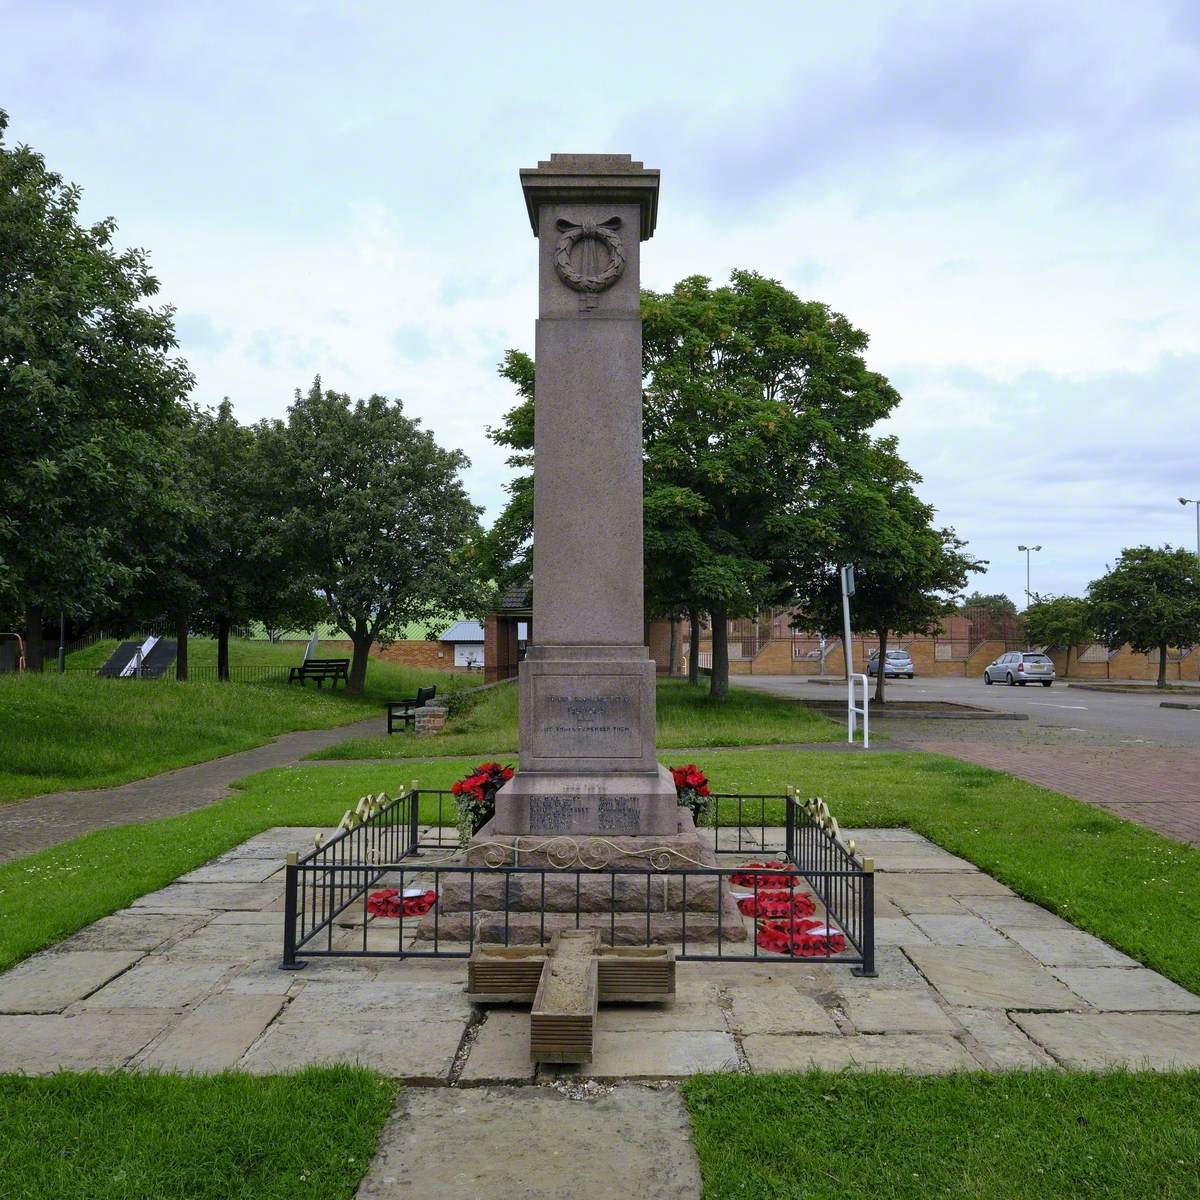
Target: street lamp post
x=1185 y=501
x=1028 y=593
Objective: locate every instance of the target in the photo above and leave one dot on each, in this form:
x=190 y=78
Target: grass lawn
x=62 y=732
x=1040 y=1135
x=171 y=1137
x=686 y=719
x=1124 y=883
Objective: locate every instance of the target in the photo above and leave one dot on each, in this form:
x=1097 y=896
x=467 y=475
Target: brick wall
x=776 y=658
x=437 y=656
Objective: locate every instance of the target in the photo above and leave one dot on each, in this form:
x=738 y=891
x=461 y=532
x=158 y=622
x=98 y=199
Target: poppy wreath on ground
x=796 y=938
x=777 y=904
x=765 y=876
x=389 y=903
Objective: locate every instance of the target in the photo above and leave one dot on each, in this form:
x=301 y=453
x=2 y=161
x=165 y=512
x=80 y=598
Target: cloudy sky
x=1006 y=196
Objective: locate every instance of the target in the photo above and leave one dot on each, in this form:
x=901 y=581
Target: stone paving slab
x=1117 y=989
x=770 y=1053
x=969 y=977
x=1095 y=1041
x=214 y=1035
x=899 y=931
x=500 y=1051
x=130 y=930
x=158 y=982
x=393 y=1043
x=1011 y=912
x=953 y=930
x=664 y=1054
x=206 y=897
x=50 y=982
x=1004 y=1043
x=777 y=1008
x=535 y=1144
x=888 y=1010
x=1068 y=948
x=41 y=1045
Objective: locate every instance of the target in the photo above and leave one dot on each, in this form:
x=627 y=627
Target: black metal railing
x=328 y=914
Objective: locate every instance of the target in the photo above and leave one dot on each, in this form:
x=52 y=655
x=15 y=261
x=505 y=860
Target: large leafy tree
x=238 y=565
x=378 y=515
x=1064 y=621
x=753 y=397
x=506 y=550
x=1150 y=600
x=909 y=572
x=89 y=394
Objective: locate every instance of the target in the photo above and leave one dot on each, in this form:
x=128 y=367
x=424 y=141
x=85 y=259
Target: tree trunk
x=181 y=649
x=358 y=662
x=718 y=686
x=882 y=674
x=1162 y=665
x=673 y=656
x=223 y=649
x=694 y=647
x=35 y=619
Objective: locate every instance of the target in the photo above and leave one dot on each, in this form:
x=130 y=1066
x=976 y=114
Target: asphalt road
x=1112 y=718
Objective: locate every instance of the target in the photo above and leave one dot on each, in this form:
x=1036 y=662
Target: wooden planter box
x=505 y=974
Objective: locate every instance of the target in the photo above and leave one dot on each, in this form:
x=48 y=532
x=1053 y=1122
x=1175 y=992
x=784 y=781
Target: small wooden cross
x=565 y=982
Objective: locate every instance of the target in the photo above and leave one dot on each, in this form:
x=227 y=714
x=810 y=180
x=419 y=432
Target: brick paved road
x=47 y=820
x=1156 y=785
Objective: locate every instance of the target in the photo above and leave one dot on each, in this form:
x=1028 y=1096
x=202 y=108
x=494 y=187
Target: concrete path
x=56 y=817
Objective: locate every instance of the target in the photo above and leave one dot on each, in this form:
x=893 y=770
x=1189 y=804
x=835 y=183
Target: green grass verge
x=171 y=1137
x=687 y=718
x=63 y=732
x=1124 y=883
x=1037 y=1135
x=47 y=896
x=1121 y=881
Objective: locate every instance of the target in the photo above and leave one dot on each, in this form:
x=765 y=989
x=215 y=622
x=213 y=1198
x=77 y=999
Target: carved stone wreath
x=603 y=231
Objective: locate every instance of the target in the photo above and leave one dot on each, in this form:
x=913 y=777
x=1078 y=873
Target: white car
x=1020 y=667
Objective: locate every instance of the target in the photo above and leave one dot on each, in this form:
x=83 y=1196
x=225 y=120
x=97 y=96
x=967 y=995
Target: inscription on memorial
x=556 y=814
x=579 y=722
x=619 y=814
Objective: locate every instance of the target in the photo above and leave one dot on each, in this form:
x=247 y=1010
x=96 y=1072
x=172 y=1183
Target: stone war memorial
x=590 y=877
x=587 y=723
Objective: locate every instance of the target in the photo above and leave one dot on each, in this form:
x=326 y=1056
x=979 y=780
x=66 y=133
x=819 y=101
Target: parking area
x=1117 y=750
x=1114 y=718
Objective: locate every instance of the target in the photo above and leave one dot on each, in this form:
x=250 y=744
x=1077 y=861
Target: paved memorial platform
x=970 y=977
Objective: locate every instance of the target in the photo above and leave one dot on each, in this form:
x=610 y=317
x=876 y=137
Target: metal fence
x=327 y=892
x=245 y=674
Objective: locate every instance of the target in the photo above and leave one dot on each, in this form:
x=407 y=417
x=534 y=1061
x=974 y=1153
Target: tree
x=751 y=395
x=89 y=393
x=378 y=515
x=1060 y=621
x=1150 y=600
x=239 y=556
x=997 y=604
x=908 y=572
x=506 y=550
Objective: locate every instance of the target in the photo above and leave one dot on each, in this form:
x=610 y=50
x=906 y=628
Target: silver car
x=897 y=662
x=1020 y=667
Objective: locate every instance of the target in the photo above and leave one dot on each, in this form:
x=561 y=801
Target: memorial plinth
x=587 y=724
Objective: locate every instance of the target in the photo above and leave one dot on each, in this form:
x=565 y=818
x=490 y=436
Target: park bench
x=404 y=712
x=321 y=669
